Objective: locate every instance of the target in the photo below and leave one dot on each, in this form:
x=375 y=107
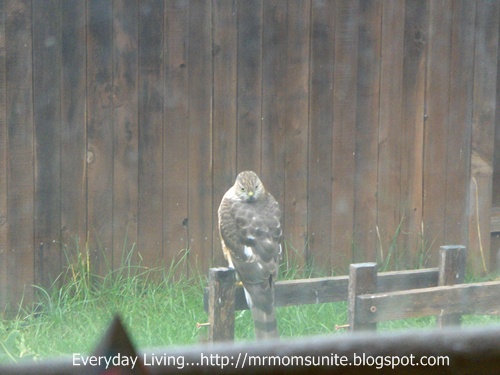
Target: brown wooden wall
x=125 y=121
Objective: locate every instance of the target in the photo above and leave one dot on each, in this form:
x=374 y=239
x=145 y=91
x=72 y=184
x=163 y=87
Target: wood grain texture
x=437 y=95
x=176 y=132
x=459 y=121
x=47 y=127
x=296 y=131
x=20 y=256
x=4 y=151
x=345 y=77
x=412 y=127
x=367 y=129
x=495 y=198
x=150 y=164
x=477 y=298
x=249 y=90
x=125 y=132
x=201 y=226
x=451 y=271
x=224 y=109
x=319 y=203
x=221 y=304
x=483 y=118
x=335 y=289
x=73 y=128
x=362 y=280
x=100 y=134
x=389 y=210
x=274 y=33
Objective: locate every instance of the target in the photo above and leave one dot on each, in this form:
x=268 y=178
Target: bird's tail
x=260 y=298
x=265 y=324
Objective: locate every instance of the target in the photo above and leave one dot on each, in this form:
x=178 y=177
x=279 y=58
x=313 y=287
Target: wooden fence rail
x=477 y=298
x=327 y=289
x=411 y=302
x=295 y=292
x=355 y=288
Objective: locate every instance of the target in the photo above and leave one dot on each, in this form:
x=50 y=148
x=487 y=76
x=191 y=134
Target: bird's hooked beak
x=251 y=196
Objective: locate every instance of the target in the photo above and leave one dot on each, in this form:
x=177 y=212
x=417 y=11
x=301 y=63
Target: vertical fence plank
x=296 y=130
x=485 y=74
x=221 y=287
x=20 y=203
x=495 y=236
x=248 y=142
x=460 y=121
x=176 y=132
x=415 y=40
x=319 y=201
x=224 y=109
x=200 y=135
x=47 y=126
x=389 y=138
x=73 y=127
x=367 y=115
x=273 y=97
x=362 y=280
x=126 y=130
x=437 y=93
x=100 y=134
x=150 y=81
x=451 y=271
x=4 y=152
x=345 y=75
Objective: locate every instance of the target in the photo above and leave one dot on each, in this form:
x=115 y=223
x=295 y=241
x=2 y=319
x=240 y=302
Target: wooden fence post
x=362 y=280
x=221 y=287
x=452 y=261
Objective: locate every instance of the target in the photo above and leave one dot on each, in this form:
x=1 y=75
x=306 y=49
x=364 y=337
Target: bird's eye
x=256 y=186
x=242 y=188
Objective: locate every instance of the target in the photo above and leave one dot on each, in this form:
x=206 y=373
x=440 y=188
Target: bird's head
x=248 y=187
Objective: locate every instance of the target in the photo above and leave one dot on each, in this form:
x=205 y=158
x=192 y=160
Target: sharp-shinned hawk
x=250 y=231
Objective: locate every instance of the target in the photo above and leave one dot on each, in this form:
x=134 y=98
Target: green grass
x=156 y=313
x=73 y=318
x=157 y=308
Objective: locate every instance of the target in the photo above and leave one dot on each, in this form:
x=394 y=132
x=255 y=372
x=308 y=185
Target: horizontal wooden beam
x=476 y=298
x=334 y=289
x=410 y=279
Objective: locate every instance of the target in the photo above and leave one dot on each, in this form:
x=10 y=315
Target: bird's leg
x=231 y=267
x=238 y=281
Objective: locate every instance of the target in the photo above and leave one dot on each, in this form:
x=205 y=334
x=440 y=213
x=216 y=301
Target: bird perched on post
x=250 y=231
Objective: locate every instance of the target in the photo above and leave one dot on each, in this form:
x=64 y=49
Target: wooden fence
x=453 y=351
x=123 y=122
x=371 y=297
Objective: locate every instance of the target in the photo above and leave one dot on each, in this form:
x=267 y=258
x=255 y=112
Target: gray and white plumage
x=250 y=231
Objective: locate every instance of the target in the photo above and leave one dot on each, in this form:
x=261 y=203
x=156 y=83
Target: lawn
x=157 y=309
